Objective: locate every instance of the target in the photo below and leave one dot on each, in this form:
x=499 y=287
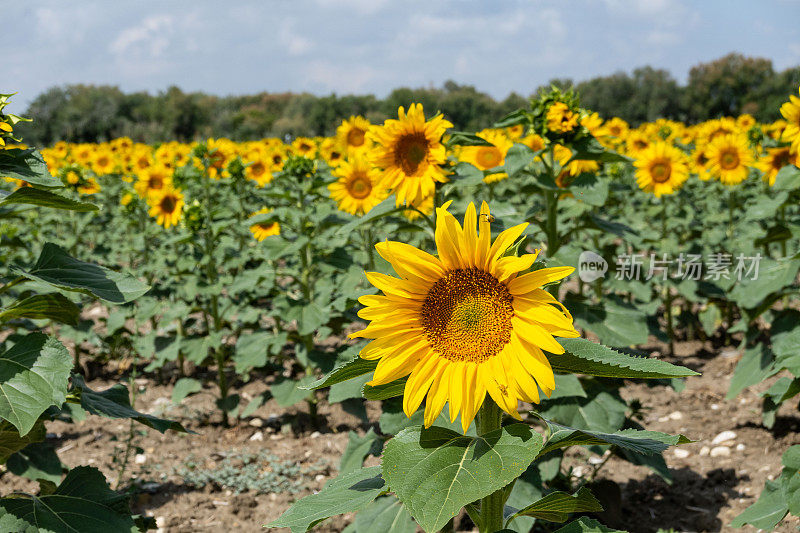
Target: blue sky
x=372 y=46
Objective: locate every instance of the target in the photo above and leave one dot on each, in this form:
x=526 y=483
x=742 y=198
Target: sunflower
x=774 y=160
x=616 y=127
x=576 y=166
x=5 y=128
x=661 y=169
x=153 y=180
x=488 y=157
x=352 y=134
x=166 y=205
x=410 y=154
x=90 y=186
x=534 y=142
x=791 y=112
x=358 y=188
x=258 y=171
x=560 y=119
x=103 y=163
x=699 y=163
x=729 y=158
x=262 y=230
x=636 y=143
x=304 y=146
x=464 y=323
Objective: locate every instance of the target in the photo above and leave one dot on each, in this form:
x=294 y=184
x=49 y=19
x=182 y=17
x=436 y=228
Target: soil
x=705 y=495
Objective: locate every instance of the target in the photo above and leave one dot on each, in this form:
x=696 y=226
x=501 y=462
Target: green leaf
x=464 y=138
x=754 y=367
x=36 y=461
x=519 y=116
x=585 y=357
x=115 y=403
x=383 y=209
x=312 y=316
x=40 y=197
x=11 y=441
x=557 y=506
x=601 y=410
x=33 y=376
x=645 y=442
x=185 y=387
x=358 y=448
x=587 y=525
x=787 y=179
x=288 y=392
x=614 y=324
x=347 y=493
x=55 y=267
x=772 y=276
x=518 y=157
x=52 y=306
x=384 y=392
x=769 y=509
x=251 y=350
x=29 y=166
x=343 y=372
x=590 y=149
x=82 y=502
x=385 y=515
x=436 y=472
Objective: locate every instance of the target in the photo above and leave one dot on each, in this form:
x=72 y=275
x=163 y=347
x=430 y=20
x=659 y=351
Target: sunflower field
x=490 y=320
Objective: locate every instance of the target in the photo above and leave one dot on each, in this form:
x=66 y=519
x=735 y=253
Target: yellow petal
x=420 y=381
x=501 y=244
x=536 y=335
x=533 y=280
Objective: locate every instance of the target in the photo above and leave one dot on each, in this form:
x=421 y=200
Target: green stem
x=488 y=419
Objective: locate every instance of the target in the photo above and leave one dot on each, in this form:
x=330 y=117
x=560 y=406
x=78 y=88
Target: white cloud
x=150 y=37
x=293 y=41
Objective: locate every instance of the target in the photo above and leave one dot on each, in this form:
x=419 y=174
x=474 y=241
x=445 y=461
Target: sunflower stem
x=489 y=418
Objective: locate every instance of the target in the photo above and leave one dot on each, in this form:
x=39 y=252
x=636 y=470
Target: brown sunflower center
x=660 y=171
x=489 y=157
x=410 y=152
x=781 y=159
x=729 y=159
x=355 y=137
x=467 y=315
x=168 y=204
x=258 y=168
x=359 y=186
x=155 y=181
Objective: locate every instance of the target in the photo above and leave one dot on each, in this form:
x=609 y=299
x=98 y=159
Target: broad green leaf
x=36 y=461
x=464 y=138
x=785 y=332
x=56 y=267
x=40 y=197
x=33 y=376
x=384 y=515
x=384 y=392
x=517 y=158
x=590 y=149
x=520 y=116
x=614 y=324
x=772 y=276
x=11 y=441
x=358 y=448
x=436 y=472
x=251 y=350
x=347 y=493
x=601 y=410
x=312 y=316
x=82 y=502
x=383 y=209
x=790 y=478
x=754 y=367
x=348 y=370
x=769 y=509
x=185 y=387
x=587 y=525
x=645 y=442
x=557 y=506
x=585 y=357
x=29 y=166
x=787 y=179
x=115 y=403
x=288 y=392
x=51 y=306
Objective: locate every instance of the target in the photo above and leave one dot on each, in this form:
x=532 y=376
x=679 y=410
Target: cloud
x=292 y=41
x=150 y=37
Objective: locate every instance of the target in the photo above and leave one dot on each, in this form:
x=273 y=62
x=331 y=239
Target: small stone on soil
x=720 y=451
x=725 y=436
x=257 y=436
x=680 y=453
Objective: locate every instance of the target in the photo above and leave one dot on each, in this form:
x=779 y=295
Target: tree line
x=728 y=86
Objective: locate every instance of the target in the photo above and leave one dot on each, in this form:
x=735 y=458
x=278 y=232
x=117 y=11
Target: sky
x=373 y=46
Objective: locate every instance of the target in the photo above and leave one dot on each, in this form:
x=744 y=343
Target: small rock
x=140 y=459
x=720 y=451
x=315 y=434
x=319 y=477
x=714 y=406
x=161 y=521
x=257 y=436
x=594 y=460
x=680 y=453
x=256 y=423
x=704 y=451
x=740 y=447
x=577 y=471
x=725 y=436
x=675 y=415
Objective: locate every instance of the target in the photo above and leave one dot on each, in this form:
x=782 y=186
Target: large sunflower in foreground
x=661 y=169
x=358 y=188
x=729 y=158
x=166 y=206
x=410 y=154
x=465 y=323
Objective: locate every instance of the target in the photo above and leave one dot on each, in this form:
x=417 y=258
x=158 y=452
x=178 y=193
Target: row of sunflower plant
x=37 y=383
x=256 y=253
